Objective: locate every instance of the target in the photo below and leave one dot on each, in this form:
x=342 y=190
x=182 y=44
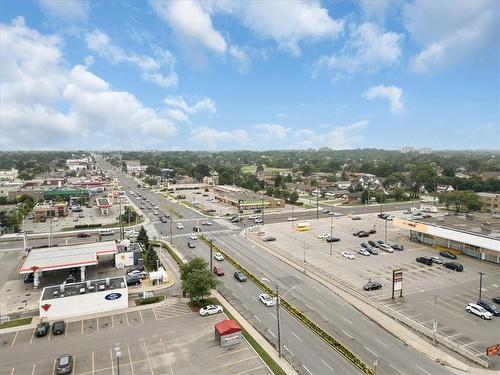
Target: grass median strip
x=338 y=346
x=15 y=323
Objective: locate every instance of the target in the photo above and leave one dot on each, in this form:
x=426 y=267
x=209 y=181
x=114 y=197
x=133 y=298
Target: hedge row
x=299 y=315
x=148 y=300
x=81 y=226
x=170 y=251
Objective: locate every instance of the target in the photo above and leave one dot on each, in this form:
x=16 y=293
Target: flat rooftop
x=83 y=287
x=479 y=224
x=238 y=193
x=64 y=257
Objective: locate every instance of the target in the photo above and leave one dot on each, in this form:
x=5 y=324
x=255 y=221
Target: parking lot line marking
x=130 y=360
x=74 y=366
x=14 y=341
x=97 y=324
x=327 y=365
x=111 y=360
x=232 y=352
x=381 y=343
x=246 y=307
x=274 y=316
x=347 y=320
x=112 y=322
x=324 y=317
x=239 y=361
x=82 y=327
x=297 y=337
x=12 y=371
x=33 y=370
x=321 y=302
x=249 y=370
x=345 y=333
x=271 y=333
x=53 y=367
x=420 y=368
x=162 y=346
x=309 y=307
x=140 y=314
x=154 y=313
x=147 y=356
x=371 y=351
x=305 y=368
x=93 y=363
x=126 y=318
x=66 y=330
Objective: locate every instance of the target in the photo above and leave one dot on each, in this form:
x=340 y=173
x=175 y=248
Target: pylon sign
x=397 y=282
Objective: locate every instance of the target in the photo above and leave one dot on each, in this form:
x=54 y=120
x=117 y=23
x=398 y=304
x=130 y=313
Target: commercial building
x=49 y=209
x=491 y=202
x=245 y=199
x=8 y=174
x=474 y=235
x=83 y=298
x=135 y=167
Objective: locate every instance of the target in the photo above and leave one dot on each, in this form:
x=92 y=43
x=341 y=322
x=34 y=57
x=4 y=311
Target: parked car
x=219 y=257
x=332 y=239
x=29 y=278
x=137 y=273
x=179 y=226
x=83 y=235
x=70 y=280
x=398 y=247
x=267 y=300
x=374 y=244
x=207 y=223
x=42 y=329
x=191 y=245
x=326 y=211
x=356 y=217
x=336 y=214
x=240 y=276
x=163 y=219
x=291 y=219
x=479 y=311
x=489 y=307
x=196 y=229
x=211 y=310
x=371 y=249
x=133 y=280
x=323 y=235
x=496 y=299
x=447 y=254
x=424 y=260
x=386 y=247
x=436 y=260
x=269 y=239
x=372 y=285
x=382 y=216
x=156 y=213
x=64 y=364
x=258 y=221
x=348 y=255
x=218 y=270
x=58 y=327
x=372 y=231
x=454 y=266
x=363 y=251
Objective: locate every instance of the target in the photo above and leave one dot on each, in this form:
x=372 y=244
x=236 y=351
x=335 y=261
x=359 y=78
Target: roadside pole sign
x=397 y=282
x=492 y=351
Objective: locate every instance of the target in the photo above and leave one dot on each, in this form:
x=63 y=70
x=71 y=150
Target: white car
x=207 y=223
x=323 y=235
x=193 y=237
x=179 y=226
x=336 y=214
x=437 y=260
x=258 y=221
x=291 y=219
x=364 y=252
x=131 y=233
x=157 y=207
x=211 y=310
x=253 y=217
x=348 y=255
x=386 y=248
x=156 y=213
x=219 y=257
x=267 y=300
x=479 y=311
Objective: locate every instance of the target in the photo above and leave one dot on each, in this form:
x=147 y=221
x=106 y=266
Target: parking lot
x=453 y=289
x=168 y=339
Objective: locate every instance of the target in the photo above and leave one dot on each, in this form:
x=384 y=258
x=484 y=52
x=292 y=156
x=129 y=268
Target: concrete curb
x=396 y=329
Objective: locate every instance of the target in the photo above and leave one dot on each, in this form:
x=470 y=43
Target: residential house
x=489 y=175
x=444 y=189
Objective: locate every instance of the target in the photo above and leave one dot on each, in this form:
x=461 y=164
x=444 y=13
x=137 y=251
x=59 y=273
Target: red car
x=219 y=271
x=83 y=235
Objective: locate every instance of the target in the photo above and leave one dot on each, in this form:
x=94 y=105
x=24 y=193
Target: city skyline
x=220 y=75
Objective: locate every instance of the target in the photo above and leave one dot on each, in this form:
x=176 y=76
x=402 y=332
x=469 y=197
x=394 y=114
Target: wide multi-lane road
x=365 y=338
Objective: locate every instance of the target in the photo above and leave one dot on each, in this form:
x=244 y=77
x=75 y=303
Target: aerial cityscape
x=249 y=187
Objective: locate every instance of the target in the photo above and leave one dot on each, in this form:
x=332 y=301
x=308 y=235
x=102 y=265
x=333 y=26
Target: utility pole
x=331 y=236
x=385 y=234
x=120 y=217
x=171 y=223
x=292 y=220
x=317 y=205
x=304 y=254
x=210 y=241
x=278 y=319
x=435 y=322
x=50 y=235
x=480 y=283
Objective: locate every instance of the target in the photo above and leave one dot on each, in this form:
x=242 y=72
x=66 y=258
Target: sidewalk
x=398 y=330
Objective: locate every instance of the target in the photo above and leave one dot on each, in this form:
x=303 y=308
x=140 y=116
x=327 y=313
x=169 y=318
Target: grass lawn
x=15 y=323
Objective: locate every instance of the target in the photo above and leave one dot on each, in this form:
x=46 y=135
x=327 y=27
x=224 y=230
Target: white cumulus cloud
x=210 y=138
x=68 y=11
x=392 y=93
x=204 y=104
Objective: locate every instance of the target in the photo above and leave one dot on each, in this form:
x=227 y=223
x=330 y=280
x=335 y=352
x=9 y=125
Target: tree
x=364 y=196
x=449 y=172
x=199 y=283
x=278 y=181
x=399 y=194
x=461 y=199
x=150 y=257
x=288 y=178
x=142 y=237
x=294 y=197
x=151 y=181
x=193 y=264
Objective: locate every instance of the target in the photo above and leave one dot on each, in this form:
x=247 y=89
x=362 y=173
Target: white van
x=106 y=232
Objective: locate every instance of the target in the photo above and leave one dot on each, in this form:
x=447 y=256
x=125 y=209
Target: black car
x=42 y=329
x=64 y=364
x=425 y=260
x=372 y=231
x=269 y=239
x=191 y=245
x=29 y=278
x=382 y=216
x=365 y=245
x=398 y=247
x=372 y=285
x=363 y=234
x=332 y=239
x=196 y=229
x=163 y=219
x=490 y=307
x=496 y=299
x=447 y=254
x=374 y=244
x=454 y=266
x=380 y=242
x=240 y=276
x=58 y=327
x=357 y=233
x=132 y=280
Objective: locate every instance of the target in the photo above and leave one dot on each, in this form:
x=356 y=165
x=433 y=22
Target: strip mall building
x=474 y=237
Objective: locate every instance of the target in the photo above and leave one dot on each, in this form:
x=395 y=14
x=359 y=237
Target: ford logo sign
x=113 y=296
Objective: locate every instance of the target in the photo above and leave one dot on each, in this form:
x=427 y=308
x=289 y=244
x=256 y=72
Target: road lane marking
x=348 y=335
x=268 y=330
x=321 y=302
x=14 y=341
x=298 y=338
x=140 y=314
x=305 y=368
x=288 y=350
x=13 y=369
x=256 y=317
x=327 y=365
x=381 y=343
x=130 y=360
x=427 y=372
x=371 y=351
x=147 y=356
x=32 y=336
x=347 y=320
x=162 y=346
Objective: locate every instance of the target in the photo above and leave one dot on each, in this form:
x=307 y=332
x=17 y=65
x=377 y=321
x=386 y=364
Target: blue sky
x=217 y=75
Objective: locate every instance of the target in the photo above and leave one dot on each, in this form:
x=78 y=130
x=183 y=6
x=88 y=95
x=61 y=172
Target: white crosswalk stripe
x=180 y=235
x=170 y=308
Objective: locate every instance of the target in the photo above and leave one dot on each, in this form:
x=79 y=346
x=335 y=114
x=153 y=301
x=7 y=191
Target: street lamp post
x=385 y=231
x=480 y=283
x=278 y=315
x=435 y=322
x=118 y=354
x=317 y=205
x=331 y=242
x=210 y=241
